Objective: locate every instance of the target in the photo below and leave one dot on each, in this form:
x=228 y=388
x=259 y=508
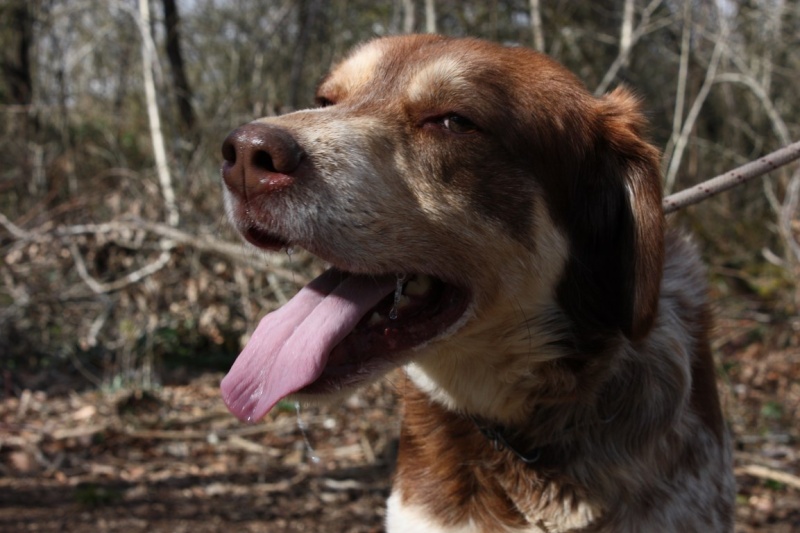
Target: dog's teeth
x=374 y=319
x=418 y=286
x=403 y=302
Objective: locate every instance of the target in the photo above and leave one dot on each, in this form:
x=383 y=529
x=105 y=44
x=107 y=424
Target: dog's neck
x=462 y=469
x=599 y=424
x=472 y=466
x=500 y=440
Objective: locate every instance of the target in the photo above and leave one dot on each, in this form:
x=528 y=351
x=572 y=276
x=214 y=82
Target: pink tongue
x=289 y=348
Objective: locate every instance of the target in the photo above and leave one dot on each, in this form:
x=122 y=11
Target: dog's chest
x=405 y=518
x=408 y=518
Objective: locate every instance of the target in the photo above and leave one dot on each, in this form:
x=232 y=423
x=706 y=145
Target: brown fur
x=586 y=343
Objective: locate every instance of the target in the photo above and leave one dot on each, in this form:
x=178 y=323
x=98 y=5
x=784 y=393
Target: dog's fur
x=578 y=391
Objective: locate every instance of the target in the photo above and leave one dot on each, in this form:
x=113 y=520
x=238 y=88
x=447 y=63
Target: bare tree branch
x=408 y=16
x=683 y=76
x=781 y=130
x=788 y=210
x=430 y=16
x=694 y=112
x=628 y=38
x=159 y=148
x=99 y=287
x=732 y=178
x=183 y=91
x=762 y=472
x=536 y=26
x=171 y=237
x=626 y=31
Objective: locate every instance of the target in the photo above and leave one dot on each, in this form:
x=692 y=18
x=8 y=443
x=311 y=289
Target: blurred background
x=124 y=295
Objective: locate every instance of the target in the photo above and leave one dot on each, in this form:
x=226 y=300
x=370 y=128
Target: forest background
x=124 y=294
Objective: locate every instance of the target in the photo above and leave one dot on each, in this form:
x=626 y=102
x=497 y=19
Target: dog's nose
x=259 y=159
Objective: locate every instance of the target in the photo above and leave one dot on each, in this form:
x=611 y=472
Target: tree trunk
x=183 y=92
x=16 y=91
x=307 y=15
x=408 y=16
x=16 y=62
x=156 y=133
x=536 y=26
x=430 y=16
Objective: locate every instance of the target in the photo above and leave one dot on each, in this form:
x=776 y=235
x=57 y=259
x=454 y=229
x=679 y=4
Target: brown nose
x=259 y=159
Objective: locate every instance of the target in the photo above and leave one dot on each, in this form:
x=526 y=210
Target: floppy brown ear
x=616 y=228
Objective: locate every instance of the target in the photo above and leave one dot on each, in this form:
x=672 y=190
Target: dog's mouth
x=265 y=240
x=340 y=330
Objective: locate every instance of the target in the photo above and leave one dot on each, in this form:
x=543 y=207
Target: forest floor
x=173 y=459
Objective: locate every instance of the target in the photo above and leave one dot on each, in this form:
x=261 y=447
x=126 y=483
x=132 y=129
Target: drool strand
x=398 y=293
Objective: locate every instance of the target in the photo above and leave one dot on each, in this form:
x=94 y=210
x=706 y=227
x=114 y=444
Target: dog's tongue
x=289 y=348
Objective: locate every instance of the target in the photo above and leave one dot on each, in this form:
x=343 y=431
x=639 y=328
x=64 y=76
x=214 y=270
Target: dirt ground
x=173 y=459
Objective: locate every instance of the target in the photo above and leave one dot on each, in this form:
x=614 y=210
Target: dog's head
x=486 y=179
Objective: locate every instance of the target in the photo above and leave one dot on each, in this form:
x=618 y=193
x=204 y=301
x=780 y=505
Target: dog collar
x=496 y=435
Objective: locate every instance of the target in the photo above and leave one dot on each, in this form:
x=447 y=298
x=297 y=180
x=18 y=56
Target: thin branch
x=683 y=76
x=763 y=472
x=131 y=278
x=408 y=16
x=159 y=149
x=173 y=237
x=694 y=112
x=430 y=16
x=762 y=93
x=781 y=130
x=626 y=31
x=732 y=178
x=628 y=38
x=16 y=231
x=536 y=26
x=789 y=208
x=83 y=272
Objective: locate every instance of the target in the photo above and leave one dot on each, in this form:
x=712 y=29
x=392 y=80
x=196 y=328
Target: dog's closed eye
x=454 y=123
x=459 y=124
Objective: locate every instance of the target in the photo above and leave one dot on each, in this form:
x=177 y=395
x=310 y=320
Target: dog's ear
x=615 y=227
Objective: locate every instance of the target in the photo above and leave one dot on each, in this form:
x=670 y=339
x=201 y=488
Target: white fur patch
x=402 y=518
x=446 y=73
x=358 y=70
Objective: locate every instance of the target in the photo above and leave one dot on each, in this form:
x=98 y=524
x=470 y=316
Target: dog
x=496 y=230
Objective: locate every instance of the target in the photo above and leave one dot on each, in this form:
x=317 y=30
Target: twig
x=430 y=16
x=680 y=91
x=628 y=39
x=15 y=230
x=129 y=279
x=732 y=178
x=77 y=432
x=787 y=213
x=252 y=447
x=154 y=118
x=536 y=26
x=778 y=124
x=768 y=473
x=172 y=236
x=342 y=484
x=694 y=112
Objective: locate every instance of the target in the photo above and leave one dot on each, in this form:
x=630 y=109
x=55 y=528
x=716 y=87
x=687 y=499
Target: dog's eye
x=458 y=124
x=321 y=101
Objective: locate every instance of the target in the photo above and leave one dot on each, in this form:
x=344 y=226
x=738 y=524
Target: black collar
x=496 y=434
x=552 y=454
